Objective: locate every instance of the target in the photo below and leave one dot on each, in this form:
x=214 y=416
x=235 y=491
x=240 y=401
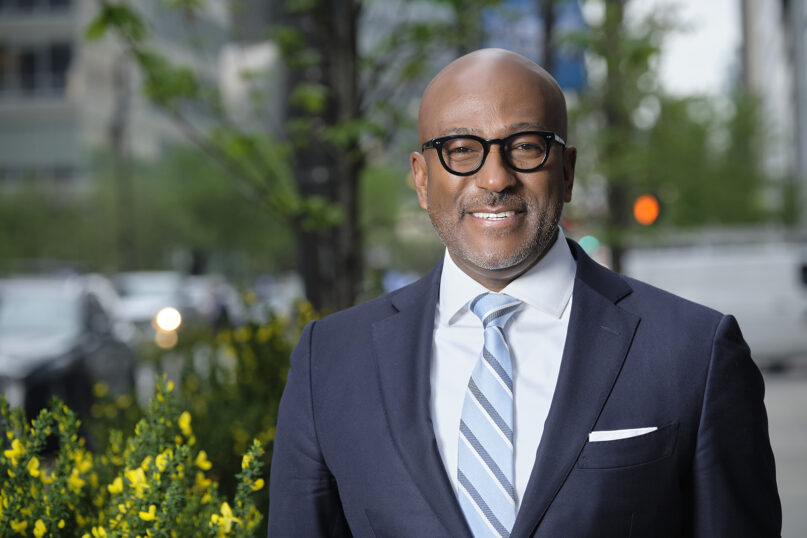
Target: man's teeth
x=494 y=216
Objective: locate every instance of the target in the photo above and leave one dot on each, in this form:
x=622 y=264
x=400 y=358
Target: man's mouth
x=494 y=216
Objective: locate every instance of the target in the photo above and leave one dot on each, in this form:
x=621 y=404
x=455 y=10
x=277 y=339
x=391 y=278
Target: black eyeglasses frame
x=437 y=144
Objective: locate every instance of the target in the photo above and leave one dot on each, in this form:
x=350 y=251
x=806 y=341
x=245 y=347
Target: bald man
x=519 y=389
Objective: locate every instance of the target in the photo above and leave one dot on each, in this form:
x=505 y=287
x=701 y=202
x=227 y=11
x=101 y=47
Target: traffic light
x=646 y=209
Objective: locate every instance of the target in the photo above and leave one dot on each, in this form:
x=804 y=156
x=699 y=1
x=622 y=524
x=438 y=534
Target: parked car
x=162 y=303
x=58 y=337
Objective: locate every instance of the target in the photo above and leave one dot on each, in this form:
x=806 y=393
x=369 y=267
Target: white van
x=764 y=285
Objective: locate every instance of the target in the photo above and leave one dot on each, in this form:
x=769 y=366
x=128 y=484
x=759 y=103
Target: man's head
x=496 y=221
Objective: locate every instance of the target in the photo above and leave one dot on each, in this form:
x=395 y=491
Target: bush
x=230 y=382
x=154 y=483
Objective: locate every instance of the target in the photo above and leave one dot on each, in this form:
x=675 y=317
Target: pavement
x=786 y=401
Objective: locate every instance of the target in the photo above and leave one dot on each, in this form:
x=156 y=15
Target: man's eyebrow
x=460 y=131
x=529 y=125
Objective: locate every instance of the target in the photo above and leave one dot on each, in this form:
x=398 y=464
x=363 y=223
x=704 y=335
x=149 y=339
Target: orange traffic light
x=646 y=209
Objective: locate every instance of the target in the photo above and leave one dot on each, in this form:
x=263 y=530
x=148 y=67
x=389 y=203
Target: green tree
x=703 y=164
x=346 y=102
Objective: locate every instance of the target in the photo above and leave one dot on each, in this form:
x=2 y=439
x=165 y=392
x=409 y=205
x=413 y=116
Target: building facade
x=775 y=69
x=63 y=98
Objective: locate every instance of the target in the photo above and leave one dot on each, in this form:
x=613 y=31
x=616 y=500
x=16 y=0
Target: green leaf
x=96 y=29
x=312 y=98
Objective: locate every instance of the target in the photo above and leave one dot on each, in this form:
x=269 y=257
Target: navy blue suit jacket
x=355 y=452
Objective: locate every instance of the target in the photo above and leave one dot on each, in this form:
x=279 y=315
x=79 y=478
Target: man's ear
x=420 y=176
x=569 y=161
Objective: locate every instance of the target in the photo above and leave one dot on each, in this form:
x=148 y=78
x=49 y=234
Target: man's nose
x=495 y=175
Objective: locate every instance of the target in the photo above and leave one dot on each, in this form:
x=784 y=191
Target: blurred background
x=184 y=183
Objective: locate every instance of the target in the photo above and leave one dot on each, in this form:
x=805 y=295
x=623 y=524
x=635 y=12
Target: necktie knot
x=494 y=309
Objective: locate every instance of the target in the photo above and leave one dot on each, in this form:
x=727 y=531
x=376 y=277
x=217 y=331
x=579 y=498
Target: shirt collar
x=547 y=285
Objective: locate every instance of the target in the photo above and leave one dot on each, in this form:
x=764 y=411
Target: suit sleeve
x=303 y=498
x=734 y=480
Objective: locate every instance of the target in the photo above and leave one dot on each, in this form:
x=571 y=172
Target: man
x=519 y=389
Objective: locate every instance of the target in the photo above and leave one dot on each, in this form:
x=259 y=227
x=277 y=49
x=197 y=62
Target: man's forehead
x=489 y=84
x=510 y=128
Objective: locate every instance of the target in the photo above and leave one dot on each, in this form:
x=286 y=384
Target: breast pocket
x=628 y=452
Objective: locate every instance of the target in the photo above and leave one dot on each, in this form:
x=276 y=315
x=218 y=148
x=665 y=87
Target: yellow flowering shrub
x=231 y=391
x=228 y=387
x=154 y=483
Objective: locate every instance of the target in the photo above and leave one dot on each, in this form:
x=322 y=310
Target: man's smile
x=494 y=216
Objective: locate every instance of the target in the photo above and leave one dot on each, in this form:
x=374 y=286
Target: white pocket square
x=613 y=435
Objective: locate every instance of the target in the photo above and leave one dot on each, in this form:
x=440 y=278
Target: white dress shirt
x=536 y=334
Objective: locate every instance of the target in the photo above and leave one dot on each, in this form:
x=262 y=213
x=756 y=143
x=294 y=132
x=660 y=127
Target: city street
x=786 y=400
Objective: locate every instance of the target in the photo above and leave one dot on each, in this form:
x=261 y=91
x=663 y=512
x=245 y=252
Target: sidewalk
x=786 y=400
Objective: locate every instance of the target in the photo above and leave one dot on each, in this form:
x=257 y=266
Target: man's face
x=498 y=222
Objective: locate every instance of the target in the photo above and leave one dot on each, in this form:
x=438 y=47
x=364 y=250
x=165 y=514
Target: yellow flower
x=146 y=463
x=33 y=467
x=16 y=451
x=74 y=482
x=162 y=460
x=116 y=486
x=150 y=515
x=61 y=524
x=226 y=519
x=100 y=389
x=201 y=481
x=137 y=479
x=39 y=529
x=99 y=532
x=185 y=423
x=243 y=334
x=124 y=401
x=82 y=460
x=259 y=483
x=202 y=461
x=19 y=526
x=169 y=386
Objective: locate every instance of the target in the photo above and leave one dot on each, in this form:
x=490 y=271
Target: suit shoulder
x=648 y=293
x=366 y=313
x=380 y=306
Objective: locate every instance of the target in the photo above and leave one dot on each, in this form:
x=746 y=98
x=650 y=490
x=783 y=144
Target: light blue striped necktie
x=485 y=456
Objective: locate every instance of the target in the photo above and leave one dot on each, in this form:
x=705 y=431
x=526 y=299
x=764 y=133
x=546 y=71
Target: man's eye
x=458 y=150
x=527 y=148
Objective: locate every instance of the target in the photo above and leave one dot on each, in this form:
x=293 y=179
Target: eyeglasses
x=463 y=155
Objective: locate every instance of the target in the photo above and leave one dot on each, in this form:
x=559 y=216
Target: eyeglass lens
x=524 y=151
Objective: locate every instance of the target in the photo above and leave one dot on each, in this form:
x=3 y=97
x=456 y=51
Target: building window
x=34 y=5
x=37 y=69
x=59 y=63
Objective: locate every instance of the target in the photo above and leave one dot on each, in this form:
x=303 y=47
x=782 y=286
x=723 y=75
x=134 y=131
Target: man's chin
x=496 y=261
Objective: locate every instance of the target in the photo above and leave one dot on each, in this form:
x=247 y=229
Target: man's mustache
x=505 y=200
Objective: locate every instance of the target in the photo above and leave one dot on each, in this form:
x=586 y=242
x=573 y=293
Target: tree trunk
x=617 y=123
x=330 y=260
x=121 y=172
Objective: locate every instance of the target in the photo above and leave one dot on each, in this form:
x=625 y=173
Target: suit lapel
x=403 y=348
x=598 y=339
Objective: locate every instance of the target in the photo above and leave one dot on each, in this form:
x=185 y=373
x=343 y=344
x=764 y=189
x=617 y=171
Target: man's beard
x=447 y=225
